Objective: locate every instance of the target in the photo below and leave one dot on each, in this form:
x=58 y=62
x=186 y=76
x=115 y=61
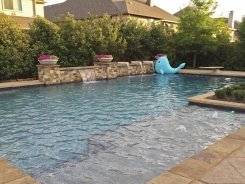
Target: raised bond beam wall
x=54 y=74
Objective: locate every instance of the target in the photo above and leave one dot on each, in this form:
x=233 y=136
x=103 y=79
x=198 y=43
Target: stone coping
x=78 y=68
x=211 y=67
x=20 y=84
x=123 y=63
x=105 y=63
x=48 y=65
x=148 y=62
x=213 y=72
x=220 y=163
x=136 y=63
x=204 y=99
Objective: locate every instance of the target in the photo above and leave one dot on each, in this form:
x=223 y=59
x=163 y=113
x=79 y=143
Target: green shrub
x=224 y=92
x=238 y=94
x=242 y=86
x=14 y=51
x=228 y=90
x=220 y=93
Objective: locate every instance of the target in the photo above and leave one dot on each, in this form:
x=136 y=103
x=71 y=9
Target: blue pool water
x=43 y=129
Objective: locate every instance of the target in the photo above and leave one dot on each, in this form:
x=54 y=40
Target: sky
x=172 y=6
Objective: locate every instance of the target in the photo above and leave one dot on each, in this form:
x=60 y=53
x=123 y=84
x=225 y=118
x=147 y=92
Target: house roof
x=23 y=22
x=141 y=9
x=82 y=8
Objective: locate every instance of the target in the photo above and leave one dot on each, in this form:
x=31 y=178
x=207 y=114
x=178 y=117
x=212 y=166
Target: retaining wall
x=54 y=74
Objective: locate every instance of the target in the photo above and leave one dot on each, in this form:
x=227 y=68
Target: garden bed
x=231 y=93
x=209 y=100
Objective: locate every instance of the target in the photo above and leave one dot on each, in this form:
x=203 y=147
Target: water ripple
x=120 y=122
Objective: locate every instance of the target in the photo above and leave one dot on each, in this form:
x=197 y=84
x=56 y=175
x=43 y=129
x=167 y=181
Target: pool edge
x=205 y=100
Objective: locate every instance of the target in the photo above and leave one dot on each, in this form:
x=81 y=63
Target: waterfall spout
x=87 y=75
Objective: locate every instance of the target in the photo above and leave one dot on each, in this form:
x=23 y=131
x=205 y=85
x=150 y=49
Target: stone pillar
x=122 y=69
x=110 y=69
x=148 y=67
x=135 y=68
x=49 y=74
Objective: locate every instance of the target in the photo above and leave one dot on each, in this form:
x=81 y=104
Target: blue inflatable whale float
x=162 y=66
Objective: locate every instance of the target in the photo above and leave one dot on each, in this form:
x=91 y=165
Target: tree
x=198 y=32
x=241 y=43
x=74 y=47
x=44 y=37
x=241 y=34
x=137 y=36
x=104 y=36
x=161 y=40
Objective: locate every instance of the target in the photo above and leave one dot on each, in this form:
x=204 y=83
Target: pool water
x=59 y=129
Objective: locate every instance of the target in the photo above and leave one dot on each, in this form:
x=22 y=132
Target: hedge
x=76 y=43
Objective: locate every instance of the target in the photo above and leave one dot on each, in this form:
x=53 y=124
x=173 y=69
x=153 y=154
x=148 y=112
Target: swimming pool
x=44 y=130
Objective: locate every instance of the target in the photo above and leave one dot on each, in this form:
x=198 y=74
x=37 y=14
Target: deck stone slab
x=169 y=178
x=24 y=180
x=239 y=153
x=191 y=168
x=9 y=174
x=226 y=145
x=210 y=156
x=224 y=173
x=238 y=164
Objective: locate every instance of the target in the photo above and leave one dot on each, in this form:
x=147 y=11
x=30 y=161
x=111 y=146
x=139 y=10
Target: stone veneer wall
x=110 y=70
x=49 y=74
x=53 y=74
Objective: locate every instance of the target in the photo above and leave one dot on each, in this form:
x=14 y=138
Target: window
x=8 y=4
x=12 y=4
